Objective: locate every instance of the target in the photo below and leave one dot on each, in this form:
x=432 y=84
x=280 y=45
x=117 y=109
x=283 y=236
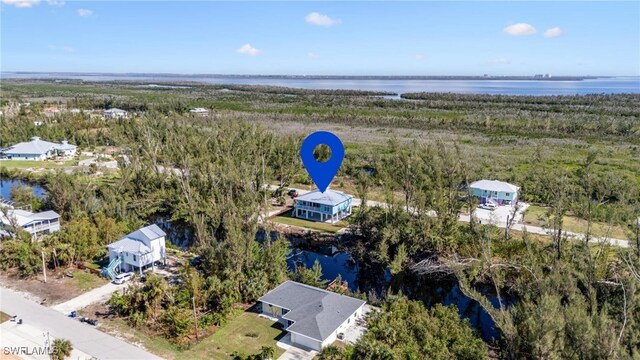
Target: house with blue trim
x=494 y=191
x=331 y=206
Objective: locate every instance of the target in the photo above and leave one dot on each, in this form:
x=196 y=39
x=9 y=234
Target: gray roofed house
x=329 y=206
x=115 y=113
x=199 y=111
x=312 y=316
x=38 y=149
x=45 y=222
x=494 y=191
x=138 y=250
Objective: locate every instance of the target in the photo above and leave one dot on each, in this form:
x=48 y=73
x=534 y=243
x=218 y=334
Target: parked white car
x=488 y=206
x=123 y=278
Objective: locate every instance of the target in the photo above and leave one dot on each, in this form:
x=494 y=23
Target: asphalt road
x=83 y=337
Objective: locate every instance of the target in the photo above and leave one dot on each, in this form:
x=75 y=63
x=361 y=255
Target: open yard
x=58 y=288
x=30 y=164
x=245 y=333
x=535 y=215
x=287 y=219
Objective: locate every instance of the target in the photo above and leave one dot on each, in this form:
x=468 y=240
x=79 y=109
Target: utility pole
x=44 y=269
x=638 y=235
x=195 y=318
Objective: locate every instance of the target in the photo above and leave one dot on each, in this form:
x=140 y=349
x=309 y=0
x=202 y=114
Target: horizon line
x=310 y=75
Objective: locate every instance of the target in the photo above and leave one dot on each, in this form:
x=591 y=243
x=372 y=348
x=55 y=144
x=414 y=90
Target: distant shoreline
x=314 y=77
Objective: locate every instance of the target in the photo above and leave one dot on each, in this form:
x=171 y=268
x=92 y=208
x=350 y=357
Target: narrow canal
x=359 y=277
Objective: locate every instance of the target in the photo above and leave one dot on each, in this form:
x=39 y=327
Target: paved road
x=82 y=336
x=28 y=342
x=517 y=227
x=102 y=293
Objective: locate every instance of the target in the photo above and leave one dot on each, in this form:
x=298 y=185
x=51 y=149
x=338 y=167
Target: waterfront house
x=115 y=113
x=313 y=317
x=65 y=149
x=45 y=222
x=38 y=149
x=329 y=206
x=138 y=250
x=494 y=191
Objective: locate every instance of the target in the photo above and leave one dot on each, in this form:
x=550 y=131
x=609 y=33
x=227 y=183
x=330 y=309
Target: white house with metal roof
x=494 y=191
x=329 y=206
x=199 y=111
x=45 y=222
x=314 y=317
x=137 y=250
x=115 y=113
x=38 y=149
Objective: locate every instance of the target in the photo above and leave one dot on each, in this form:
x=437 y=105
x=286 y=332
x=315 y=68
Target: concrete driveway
x=83 y=337
x=500 y=214
x=100 y=294
x=293 y=352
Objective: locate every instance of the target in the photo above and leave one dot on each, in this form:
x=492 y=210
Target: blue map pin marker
x=322 y=172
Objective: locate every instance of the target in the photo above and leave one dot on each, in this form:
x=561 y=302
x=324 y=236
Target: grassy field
x=246 y=334
x=287 y=219
x=232 y=336
x=85 y=281
x=535 y=215
x=31 y=164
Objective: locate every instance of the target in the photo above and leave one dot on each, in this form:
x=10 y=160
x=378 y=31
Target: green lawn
x=30 y=164
x=232 y=336
x=85 y=281
x=287 y=219
x=246 y=333
x=535 y=215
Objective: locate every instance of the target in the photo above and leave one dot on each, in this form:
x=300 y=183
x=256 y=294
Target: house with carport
x=331 y=206
x=313 y=317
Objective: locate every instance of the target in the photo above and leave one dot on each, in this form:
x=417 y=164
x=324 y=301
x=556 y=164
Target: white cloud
x=85 y=12
x=21 y=3
x=419 y=57
x=312 y=55
x=247 y=49
x=520 y=29
x=499 y=61
x=318 y=19
x=69 y=49
x=55 y=2
x=553 y=32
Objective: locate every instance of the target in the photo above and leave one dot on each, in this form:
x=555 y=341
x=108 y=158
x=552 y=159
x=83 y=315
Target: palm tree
x=61 y=349
x=331 y=353
x=267 y=352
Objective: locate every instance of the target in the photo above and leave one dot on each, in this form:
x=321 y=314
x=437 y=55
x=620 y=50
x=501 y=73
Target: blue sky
x=337 y=38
